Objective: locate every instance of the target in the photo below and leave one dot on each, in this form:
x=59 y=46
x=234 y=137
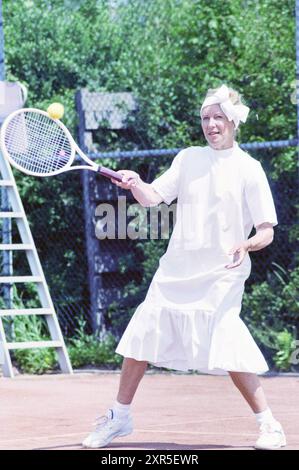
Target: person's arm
x=162 y=189
x=263 y=237
x=143 y=192
x=261 y=207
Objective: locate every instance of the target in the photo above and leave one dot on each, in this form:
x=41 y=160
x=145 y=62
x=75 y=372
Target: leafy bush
x=271 y=311
x=85 y=349
x=285 y=349
x=33 y=361
x=28 y=328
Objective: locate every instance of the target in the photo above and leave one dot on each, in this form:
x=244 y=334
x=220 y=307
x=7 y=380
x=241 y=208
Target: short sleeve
x=259 y=197
x=167 y=185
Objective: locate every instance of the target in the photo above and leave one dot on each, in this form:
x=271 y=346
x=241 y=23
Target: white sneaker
x=108 y=428
x=271 y=437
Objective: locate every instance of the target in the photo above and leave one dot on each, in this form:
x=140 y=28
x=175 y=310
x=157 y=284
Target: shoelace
x=101 y=421
x=269 y=428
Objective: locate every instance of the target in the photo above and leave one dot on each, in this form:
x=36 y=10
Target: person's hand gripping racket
x=130 y=179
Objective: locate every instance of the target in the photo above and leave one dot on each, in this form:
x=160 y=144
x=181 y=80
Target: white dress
x=190 y=316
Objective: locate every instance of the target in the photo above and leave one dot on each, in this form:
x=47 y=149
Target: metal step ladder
x=8 y=184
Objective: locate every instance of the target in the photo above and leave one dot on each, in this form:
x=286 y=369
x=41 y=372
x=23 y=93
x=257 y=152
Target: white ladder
x=37 y=276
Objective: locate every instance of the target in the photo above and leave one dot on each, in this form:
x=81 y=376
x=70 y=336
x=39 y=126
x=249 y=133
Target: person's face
x=217 y=129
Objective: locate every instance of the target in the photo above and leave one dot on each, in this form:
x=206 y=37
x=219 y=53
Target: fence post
x=105 y=111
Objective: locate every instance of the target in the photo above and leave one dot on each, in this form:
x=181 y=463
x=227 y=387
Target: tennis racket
x=38 y=145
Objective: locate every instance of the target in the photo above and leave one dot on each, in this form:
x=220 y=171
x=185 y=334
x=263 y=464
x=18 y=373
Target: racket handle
x=109 y=173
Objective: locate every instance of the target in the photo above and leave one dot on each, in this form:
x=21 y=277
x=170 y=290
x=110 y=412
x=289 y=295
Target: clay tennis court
x=171 y=411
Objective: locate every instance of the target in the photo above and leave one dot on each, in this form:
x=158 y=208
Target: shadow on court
x=170 y=411
x=148 y=446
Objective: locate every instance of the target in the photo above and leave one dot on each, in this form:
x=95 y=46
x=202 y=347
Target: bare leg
x=131 y=373
x=250 y=387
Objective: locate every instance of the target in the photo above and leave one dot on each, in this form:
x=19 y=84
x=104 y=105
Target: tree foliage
x=167 y=52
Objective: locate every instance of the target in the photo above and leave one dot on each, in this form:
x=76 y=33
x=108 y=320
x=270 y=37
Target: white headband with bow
x=234 y=112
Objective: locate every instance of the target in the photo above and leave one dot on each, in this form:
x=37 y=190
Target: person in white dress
x=190 y=316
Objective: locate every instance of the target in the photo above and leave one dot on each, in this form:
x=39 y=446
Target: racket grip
x=109 y=173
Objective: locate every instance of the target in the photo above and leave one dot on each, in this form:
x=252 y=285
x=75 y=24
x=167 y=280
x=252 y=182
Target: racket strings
x=37 y=143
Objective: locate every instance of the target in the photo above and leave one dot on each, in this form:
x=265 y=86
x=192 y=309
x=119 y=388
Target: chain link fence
x=122 y=268
x=102 y=280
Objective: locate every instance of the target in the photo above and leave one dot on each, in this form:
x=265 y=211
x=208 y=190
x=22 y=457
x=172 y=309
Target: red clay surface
x=171 y=412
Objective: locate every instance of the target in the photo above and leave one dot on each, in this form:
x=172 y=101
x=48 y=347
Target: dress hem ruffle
x=195 y=339
x=219 y=370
